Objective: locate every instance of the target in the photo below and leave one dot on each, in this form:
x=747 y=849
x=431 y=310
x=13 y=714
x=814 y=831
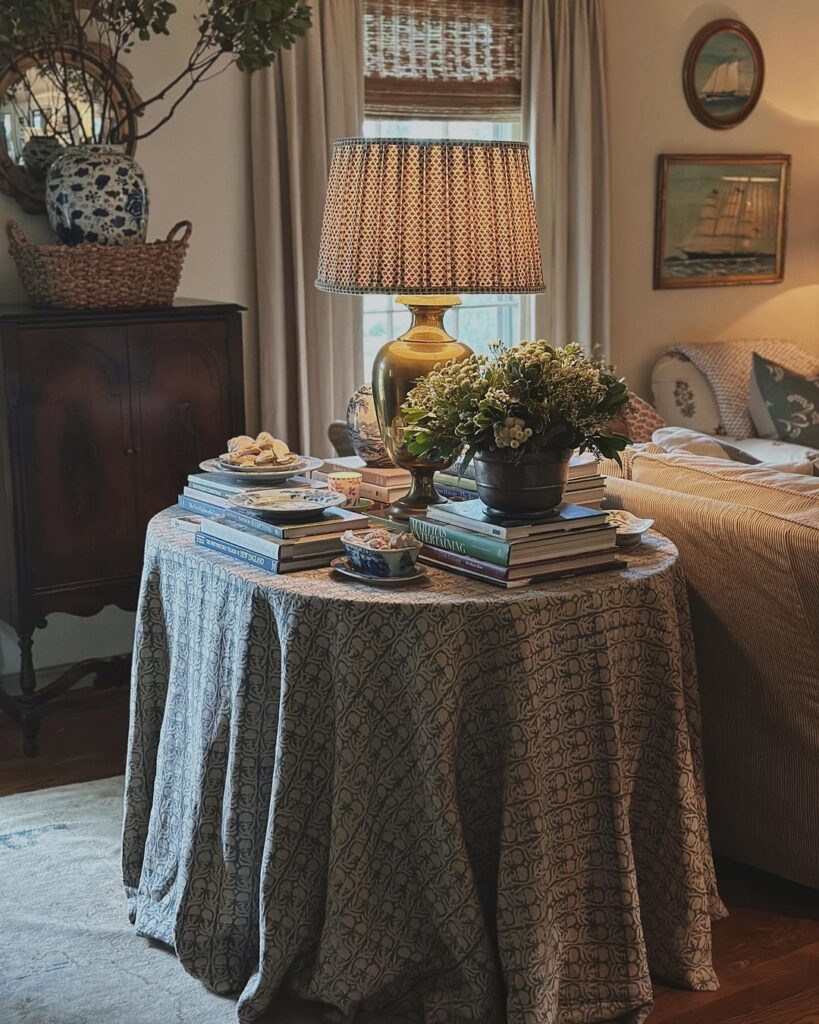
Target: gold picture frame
x=720 y=220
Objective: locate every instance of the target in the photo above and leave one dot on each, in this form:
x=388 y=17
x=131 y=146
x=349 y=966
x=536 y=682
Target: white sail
x=724 y=80
x=735 y=220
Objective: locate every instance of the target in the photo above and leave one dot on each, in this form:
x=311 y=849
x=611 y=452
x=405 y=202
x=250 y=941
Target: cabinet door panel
x=76 y=458
x=180 y=379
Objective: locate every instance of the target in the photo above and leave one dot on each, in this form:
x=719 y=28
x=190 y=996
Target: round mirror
x=47 y=105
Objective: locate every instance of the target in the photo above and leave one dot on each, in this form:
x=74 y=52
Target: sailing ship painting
x=720 y=220
x=723 y=73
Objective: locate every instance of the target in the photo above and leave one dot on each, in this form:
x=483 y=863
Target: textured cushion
x=752 y=486
x=683 y=396
x=637 y=421
x=679 y=439
x=783 y=403
x=727 y=368
x=789 y=458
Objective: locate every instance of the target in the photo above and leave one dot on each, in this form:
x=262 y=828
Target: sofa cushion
x=682 y=395
x=679 y=439
x=784 y=404
x=751 y=486
x=789 y=458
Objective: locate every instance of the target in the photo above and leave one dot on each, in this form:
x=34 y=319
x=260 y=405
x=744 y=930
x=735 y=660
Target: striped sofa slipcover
x=749 y=546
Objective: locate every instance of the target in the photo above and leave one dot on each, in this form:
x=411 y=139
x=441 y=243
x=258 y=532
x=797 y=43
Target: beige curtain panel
x=308 y=355
x=564 y=121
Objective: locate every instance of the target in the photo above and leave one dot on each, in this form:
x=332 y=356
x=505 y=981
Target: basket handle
x=15 y=233
x=186 y=224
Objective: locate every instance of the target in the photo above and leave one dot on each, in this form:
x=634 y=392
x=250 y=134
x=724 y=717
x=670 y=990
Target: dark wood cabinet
x=102 y=416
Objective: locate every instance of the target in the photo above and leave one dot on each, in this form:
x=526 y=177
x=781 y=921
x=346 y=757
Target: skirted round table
x=452 y=802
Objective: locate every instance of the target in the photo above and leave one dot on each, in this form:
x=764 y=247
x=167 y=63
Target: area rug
x=67 y=952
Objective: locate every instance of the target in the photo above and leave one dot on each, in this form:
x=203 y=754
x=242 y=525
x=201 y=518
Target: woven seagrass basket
x=92 y=276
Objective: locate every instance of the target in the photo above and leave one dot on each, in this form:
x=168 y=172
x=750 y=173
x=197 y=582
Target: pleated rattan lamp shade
x=430 y=217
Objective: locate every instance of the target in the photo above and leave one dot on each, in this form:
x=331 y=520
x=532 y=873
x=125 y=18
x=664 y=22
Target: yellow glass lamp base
x=397 y=367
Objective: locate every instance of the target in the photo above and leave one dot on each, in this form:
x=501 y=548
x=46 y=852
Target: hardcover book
x=528 y=572
x=472 y=515
x=199 y=506
x=278 y=548
x=558 y=572
x=515 y=552
x=379 y=476
x=333 y=520
x=259 y=561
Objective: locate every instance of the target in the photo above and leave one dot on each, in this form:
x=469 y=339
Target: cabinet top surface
x=180 y=310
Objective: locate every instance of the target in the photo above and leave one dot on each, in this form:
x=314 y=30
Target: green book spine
x=462 y=542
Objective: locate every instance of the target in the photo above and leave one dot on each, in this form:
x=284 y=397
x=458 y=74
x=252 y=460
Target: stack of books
x=585 y=486
x=384 y=484
x=463 y=538
x=208 y=494
x=279 y=547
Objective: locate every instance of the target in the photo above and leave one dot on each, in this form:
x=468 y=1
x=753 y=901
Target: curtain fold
x=564 y=120
x=306 y=358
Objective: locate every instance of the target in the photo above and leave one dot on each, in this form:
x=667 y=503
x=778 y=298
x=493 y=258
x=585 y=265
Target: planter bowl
x=530 y=485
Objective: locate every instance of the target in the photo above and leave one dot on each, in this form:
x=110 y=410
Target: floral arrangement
x=532 y=397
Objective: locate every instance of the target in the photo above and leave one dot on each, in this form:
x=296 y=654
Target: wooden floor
x=766 y=953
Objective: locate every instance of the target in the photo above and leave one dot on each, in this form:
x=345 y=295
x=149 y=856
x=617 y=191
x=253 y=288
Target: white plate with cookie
x=263 y=459
x=262 y=474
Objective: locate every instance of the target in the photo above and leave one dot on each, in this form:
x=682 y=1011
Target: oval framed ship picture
x=721 y=220
x=723 y=73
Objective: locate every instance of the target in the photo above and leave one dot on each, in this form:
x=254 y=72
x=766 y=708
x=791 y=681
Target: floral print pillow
x=784 y=404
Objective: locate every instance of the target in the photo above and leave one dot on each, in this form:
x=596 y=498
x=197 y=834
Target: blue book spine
x=201 y=508
x=451 y=491
x=234 y=551
x=255 y=523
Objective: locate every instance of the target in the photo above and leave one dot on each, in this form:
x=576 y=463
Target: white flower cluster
x=512 y=433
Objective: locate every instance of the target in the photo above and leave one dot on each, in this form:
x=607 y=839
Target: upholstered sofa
x=749 y=545
x=706 y=387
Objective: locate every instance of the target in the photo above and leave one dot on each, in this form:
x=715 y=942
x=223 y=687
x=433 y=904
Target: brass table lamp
x=426 y=220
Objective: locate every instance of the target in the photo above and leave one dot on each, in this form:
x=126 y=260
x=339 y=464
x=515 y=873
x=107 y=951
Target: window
x=481 y=318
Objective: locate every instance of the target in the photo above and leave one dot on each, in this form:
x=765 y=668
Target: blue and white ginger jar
x=363 y=429
x=97 y=193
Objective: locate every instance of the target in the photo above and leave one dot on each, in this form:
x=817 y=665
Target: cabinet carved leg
x=29 y=715
x=25 y=707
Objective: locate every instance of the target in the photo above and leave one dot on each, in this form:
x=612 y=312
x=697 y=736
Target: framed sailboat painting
x=721 y=220
x=723 y=73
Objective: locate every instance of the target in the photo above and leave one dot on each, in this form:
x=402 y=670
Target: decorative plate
x=262 y=474
x=287 y=502
x=630 y=528
x=343 y=568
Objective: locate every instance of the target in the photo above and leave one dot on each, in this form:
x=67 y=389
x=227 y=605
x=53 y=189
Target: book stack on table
x=276 y=546
x=585 y=486
x=462 y=537
x=209 y=494
x=279 y=547
x=384 y=484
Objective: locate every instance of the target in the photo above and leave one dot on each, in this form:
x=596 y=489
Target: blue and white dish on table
x=381 y=562
x=287 y=502
x=343 y=567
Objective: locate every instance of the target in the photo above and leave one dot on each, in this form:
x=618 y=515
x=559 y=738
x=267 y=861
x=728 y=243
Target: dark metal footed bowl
x=529 y=486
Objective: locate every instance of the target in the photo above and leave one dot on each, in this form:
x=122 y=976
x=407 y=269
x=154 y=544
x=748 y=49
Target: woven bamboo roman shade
x=431 y=217
x=442 y=58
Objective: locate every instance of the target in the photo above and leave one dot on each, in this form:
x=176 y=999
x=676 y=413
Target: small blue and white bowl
x=381 y=562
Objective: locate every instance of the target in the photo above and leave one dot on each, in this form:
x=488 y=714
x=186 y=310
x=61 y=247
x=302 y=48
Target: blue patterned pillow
x=784 y=404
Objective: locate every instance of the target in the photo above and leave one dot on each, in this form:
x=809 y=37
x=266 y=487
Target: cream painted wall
x=646 y=44
x=197 y=168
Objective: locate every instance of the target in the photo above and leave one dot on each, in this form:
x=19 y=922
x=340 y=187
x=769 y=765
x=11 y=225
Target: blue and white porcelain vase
x=97 y=193
x=363 y=429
